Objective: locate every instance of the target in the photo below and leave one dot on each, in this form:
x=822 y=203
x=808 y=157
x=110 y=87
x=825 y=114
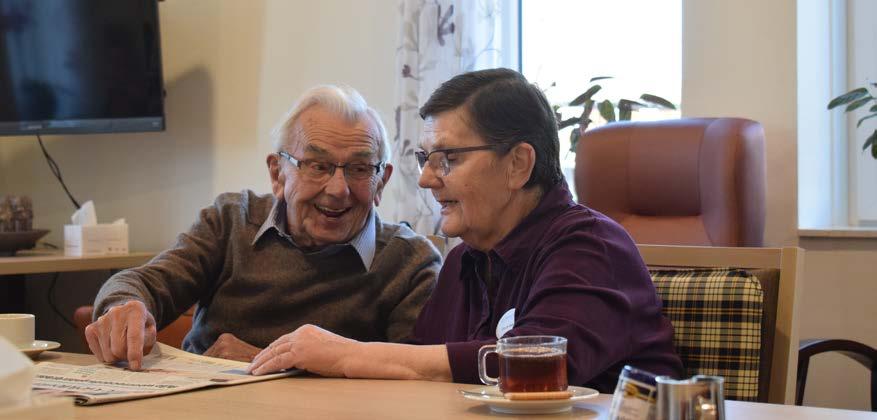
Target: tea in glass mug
x=530 y=363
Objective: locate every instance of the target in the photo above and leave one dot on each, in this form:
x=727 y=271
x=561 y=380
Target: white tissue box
x=100 y=239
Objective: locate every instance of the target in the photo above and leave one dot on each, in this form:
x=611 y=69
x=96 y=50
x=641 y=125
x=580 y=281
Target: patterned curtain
x=438 y=39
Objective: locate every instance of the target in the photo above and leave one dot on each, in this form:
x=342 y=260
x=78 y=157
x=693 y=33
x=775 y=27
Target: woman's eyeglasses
x=438 y=159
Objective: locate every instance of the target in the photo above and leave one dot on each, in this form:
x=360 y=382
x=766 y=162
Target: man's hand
x=310 y=348
x=227 y=346
x=125 y=332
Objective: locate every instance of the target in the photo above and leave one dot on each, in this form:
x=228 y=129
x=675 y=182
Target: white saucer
x=491 y=396
x=39 y=346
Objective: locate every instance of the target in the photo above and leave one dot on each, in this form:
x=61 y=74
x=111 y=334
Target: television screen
x=80 y=66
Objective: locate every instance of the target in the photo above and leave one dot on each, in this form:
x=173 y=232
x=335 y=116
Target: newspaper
x=165 y=370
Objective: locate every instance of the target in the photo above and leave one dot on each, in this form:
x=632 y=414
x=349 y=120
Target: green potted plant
x=606 y=108
x=854 y=100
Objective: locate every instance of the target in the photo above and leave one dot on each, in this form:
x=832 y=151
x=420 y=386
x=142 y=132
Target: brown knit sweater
x=260 y=291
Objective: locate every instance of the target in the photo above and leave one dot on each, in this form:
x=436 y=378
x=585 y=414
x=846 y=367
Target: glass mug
x=529 y=363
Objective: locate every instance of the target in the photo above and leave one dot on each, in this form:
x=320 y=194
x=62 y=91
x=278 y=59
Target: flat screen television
x=80 y=66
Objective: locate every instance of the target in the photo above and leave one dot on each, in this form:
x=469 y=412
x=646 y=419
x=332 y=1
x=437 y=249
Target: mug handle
x=482 y=365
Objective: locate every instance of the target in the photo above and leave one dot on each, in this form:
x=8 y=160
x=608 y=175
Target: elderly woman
x=532 y=262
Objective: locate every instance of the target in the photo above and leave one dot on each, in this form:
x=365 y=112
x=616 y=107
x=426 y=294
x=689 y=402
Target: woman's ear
x=523 y=160
x=278 y=179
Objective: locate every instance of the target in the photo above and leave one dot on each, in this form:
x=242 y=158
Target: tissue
x=16 y=375
x=17 y=401
x=85 y=215
x=87 y=237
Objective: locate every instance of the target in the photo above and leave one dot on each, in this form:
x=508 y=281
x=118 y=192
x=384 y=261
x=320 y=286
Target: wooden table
x=32 y=262
x=323 y=398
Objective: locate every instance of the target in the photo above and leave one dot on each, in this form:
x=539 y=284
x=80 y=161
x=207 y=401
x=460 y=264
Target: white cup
x=18 y=329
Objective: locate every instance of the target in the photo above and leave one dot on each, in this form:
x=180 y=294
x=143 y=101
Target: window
x=862 y=68
x=837 y=182
x=564 y=43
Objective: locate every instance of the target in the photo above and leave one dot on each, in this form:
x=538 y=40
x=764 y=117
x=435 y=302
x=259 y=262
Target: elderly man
x=260 y=266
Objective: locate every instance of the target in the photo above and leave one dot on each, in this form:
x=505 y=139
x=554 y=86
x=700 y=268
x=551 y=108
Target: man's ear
x=278 y=179
x=523 y=160
x=388 y=171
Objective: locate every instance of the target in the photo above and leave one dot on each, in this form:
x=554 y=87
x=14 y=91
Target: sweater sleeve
x=419 y=272
x=173 y=281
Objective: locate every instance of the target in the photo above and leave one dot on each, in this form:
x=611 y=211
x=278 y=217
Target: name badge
x=506 y=323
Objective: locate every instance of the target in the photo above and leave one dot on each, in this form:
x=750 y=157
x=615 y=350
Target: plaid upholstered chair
x=734 y=315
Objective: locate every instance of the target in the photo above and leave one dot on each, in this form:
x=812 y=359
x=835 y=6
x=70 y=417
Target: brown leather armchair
x=692 y=181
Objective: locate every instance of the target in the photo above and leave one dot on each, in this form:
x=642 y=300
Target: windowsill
x=839 y=232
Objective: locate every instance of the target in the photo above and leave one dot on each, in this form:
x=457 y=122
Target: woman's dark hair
x=503 y=107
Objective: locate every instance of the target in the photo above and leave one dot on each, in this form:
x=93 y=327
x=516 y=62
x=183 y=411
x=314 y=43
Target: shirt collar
x=364 y=242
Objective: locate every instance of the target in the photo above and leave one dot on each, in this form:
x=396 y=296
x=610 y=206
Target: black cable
x=53 y=305
x=56 y=171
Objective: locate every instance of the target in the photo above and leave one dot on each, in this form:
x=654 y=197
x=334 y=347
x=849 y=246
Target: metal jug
x=698 y=398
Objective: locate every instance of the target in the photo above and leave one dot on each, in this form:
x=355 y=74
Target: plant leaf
x=848 y=97
x=589 y=107
x=585 y=96
x=567 y=122
x=594 y=79
x=658 y=101
x=607 y=110
x=574 y=139
x=858 y=103
x=861 y=120
x=626 y=108
x=871 y=141
x=633 y=105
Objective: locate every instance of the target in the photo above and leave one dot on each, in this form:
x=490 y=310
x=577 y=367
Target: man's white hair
x=343 y=101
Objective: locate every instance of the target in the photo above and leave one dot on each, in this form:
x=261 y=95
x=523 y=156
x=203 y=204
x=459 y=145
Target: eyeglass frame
x=333 y=166
x=422 y=156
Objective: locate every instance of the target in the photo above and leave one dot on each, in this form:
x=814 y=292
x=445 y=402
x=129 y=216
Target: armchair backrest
x=692 y=181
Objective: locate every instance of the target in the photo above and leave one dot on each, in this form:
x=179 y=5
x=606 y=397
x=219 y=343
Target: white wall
x=232 y=69
x=739 y=59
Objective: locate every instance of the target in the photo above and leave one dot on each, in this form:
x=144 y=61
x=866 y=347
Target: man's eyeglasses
x=438 y=159
x=319 y=171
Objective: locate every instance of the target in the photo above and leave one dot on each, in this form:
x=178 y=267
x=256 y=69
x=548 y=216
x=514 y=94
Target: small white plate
x=38 y=347
x=491 y=396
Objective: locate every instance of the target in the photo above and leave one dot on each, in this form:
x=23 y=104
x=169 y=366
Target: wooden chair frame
x=790 y=263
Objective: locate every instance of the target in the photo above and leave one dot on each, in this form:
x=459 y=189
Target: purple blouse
x=567 y=270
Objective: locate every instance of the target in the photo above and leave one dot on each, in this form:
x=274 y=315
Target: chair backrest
x=734 y=314
x=860 y=352
x=692 y=181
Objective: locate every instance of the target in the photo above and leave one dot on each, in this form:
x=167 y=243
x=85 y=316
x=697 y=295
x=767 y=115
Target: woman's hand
x=310 y=348
x=227 y=346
